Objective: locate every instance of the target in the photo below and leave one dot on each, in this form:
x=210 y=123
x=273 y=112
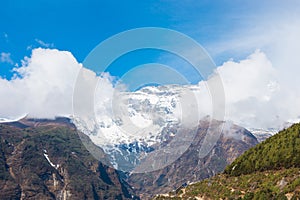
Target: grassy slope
x=270 y=170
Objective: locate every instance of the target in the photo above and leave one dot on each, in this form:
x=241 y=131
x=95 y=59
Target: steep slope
x=280 y=151
x=189 y=167
x=45 y=159
x=270 y=170
x=281 y=184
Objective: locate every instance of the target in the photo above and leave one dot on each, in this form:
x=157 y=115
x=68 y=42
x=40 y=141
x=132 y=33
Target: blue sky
x=255 y=45
x=78 y=26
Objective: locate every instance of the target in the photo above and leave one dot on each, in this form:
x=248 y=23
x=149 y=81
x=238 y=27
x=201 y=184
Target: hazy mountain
x=137 y=123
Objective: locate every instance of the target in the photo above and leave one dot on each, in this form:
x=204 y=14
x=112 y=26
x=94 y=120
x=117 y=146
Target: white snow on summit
x=142 y=115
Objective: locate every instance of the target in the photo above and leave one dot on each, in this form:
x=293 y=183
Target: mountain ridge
x=45 y=159
x=189 y=167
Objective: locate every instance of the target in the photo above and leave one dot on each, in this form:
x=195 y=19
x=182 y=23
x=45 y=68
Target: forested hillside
x=270 y=170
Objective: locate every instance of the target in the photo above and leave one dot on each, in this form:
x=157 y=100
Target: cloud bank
x=256 y=95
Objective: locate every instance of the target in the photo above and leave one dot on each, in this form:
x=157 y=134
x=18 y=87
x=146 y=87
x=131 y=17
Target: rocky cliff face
x=45 y=159
x=233 y=141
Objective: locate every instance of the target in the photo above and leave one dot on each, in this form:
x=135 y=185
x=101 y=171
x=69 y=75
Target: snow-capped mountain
x=263 y=134
x=133 y=123
x=130 y=125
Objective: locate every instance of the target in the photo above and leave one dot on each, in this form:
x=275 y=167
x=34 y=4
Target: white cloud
x=42 y=86
x=262 y=90
x=257 y=95
x=6 y=58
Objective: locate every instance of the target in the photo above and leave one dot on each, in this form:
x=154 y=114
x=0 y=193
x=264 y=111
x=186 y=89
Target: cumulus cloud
x=278 y=37
x=263 y=89
x=41 y=87
x=256 y=94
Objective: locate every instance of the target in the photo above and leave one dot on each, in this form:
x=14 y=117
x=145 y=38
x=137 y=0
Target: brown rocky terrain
x=45 y=159
x=233 y=141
